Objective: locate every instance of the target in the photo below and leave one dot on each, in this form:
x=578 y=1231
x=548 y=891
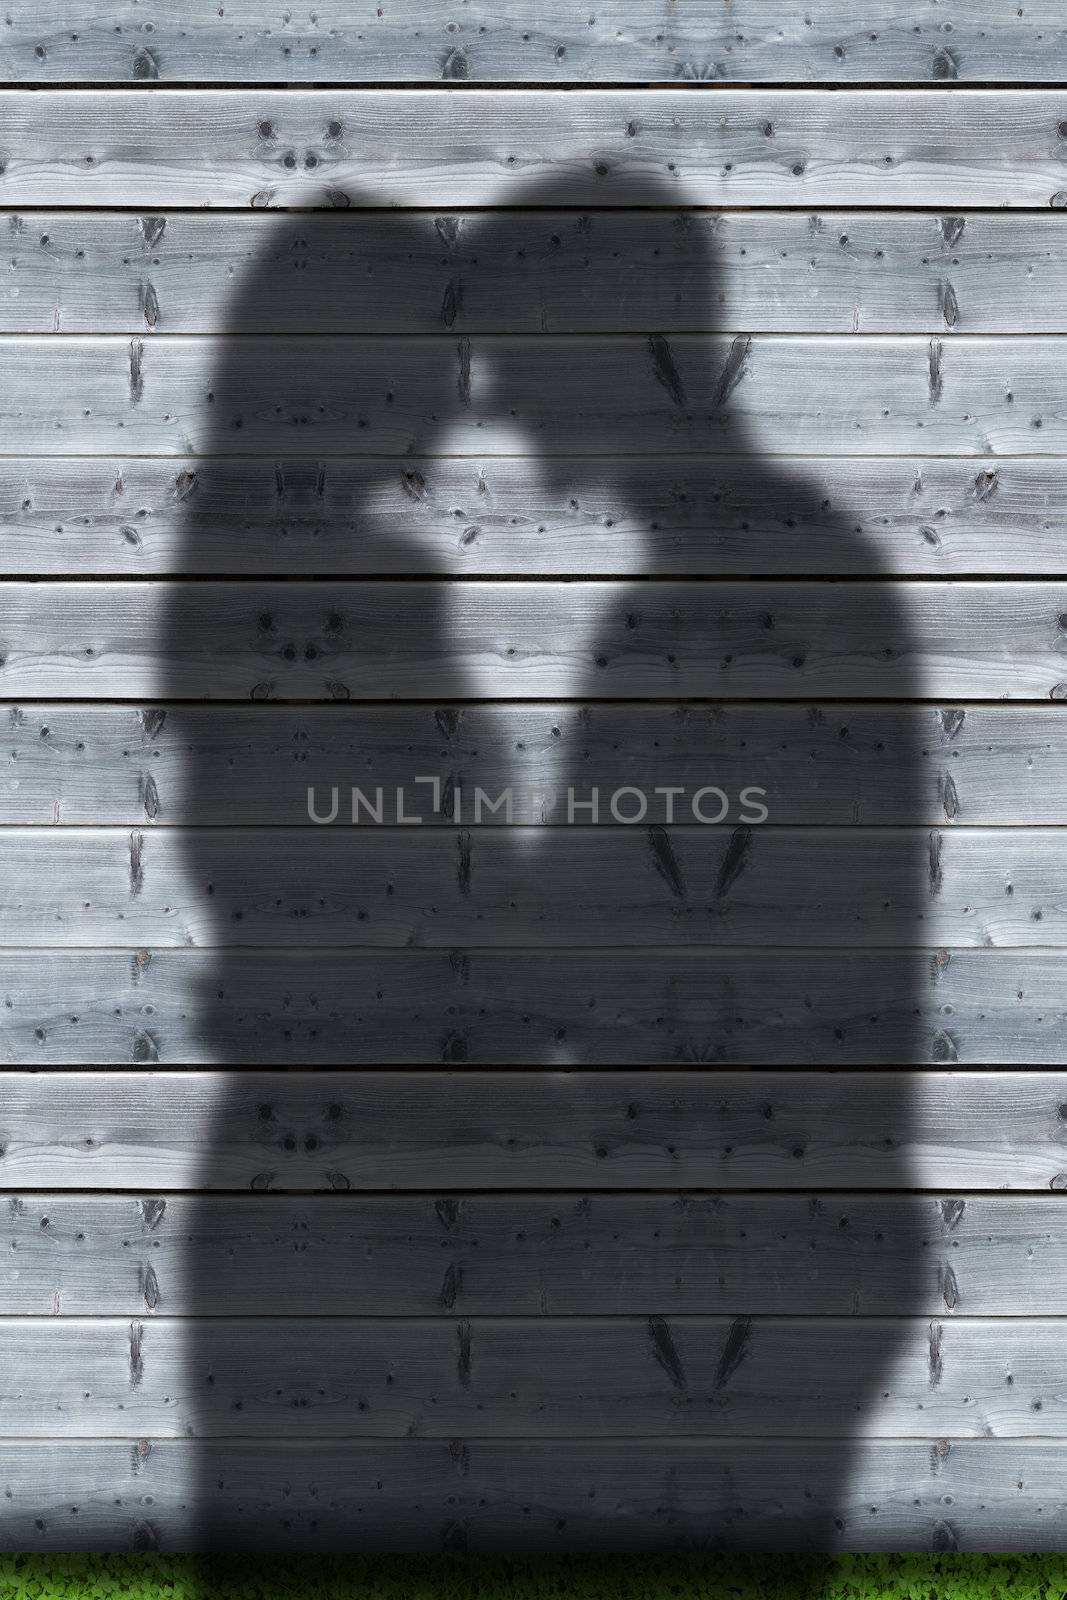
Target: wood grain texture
x=535 y=1255
x=715 y=1379
x=548 y=395
x=529 y=641
x=754 y=42
x=652 y=1008
x=428 y=1495
x=538 y=272
x=680 y=515
x=710 y=1128
x=625 y=886
x=459 y=147
x=830 y=765
x=752 y=1298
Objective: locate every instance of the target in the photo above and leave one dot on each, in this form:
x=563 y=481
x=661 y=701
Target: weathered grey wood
x=534 y=1377
x=528 y=641
x=655 y=1008
x=610 y=1284
x=554 y=395
x=534 y=1255
x=635 y=1306
x=555 y=887
x=832 y=765
x=534 y=1130
x=456 y=147
x=538 y=272
x=926 y=517
x=549 y=42
x=415 y=1495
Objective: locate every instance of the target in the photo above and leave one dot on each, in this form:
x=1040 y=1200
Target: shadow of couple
x=544 y=397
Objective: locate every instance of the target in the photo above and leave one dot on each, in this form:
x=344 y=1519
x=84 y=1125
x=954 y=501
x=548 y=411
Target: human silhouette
x=360 y=430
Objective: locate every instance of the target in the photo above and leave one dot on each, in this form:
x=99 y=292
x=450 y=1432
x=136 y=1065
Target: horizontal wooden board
x=555 y=887
x=300 y=1379
x=429 y=1495
x=525 y=1254
x=534 y=272
x=459 y=147
x=499 y=515
x=534 y=1130
x=832 y=765
x=528 y=641
x=555 y=396
x=682 y=1007
x=414 y=39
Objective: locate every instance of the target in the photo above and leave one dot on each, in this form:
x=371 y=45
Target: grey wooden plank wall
x=639 y=1186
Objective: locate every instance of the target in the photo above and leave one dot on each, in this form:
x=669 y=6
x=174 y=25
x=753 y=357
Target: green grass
x=456 y=1577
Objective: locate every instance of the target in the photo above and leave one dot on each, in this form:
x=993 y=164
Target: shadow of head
x=484 y=335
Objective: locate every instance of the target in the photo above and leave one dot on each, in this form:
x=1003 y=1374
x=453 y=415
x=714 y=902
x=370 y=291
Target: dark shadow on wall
x=430 y=381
